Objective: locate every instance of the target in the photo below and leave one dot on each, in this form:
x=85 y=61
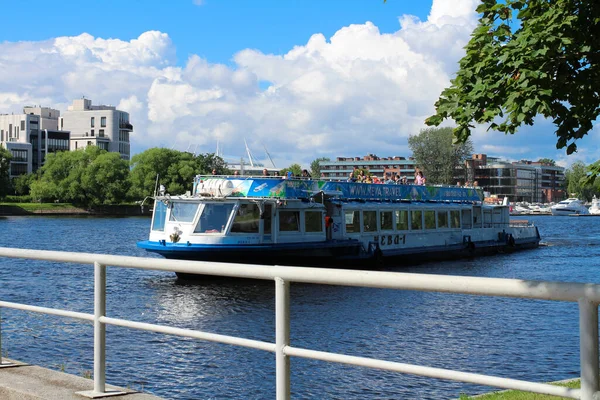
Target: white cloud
x=360 y=91
x=199 y=2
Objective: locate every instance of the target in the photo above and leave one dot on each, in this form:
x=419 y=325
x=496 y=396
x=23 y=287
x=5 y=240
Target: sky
x=302 y=79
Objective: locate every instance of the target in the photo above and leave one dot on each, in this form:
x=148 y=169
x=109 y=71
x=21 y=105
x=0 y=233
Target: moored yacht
x=595 y=207
x=568 y=207
x=323 y=223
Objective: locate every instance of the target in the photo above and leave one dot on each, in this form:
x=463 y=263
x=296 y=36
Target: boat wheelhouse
x=324 y=223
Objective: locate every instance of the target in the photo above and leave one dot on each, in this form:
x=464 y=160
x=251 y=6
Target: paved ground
x=29 y=382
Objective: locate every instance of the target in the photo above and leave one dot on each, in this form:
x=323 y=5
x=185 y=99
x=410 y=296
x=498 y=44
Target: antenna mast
x=249 y=153
x=268 y=155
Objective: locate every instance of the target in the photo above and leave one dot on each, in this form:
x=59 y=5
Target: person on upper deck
x=419 y=178
x=265 y=172
x=305 y=174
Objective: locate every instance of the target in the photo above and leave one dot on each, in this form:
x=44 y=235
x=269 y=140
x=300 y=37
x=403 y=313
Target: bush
x=18 y=199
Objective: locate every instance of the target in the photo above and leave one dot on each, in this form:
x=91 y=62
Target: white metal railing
x=587 y=295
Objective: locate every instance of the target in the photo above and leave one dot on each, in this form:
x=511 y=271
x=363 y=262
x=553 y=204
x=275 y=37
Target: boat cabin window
x=442 y=219
x=160 y=214
x=466 y=219
x=289 y=221
x=268 y=219
x=183 y=212
x=370 y=221
x=429 y=219
x=246 y=219
x=352 y=220
x=313 y=221
x=454 y=219
x=387 y=220
x=402 y=220
x=487 y=218
x=214 y=218
x=416 y=220
x=477 y=222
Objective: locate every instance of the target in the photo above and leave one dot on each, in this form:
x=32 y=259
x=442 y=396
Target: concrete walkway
x=29 y=382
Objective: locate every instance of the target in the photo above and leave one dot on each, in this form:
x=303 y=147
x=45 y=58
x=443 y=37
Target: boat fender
x=378 y=256
x=511 y=241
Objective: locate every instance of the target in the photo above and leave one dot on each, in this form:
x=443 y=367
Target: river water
x=521 y=339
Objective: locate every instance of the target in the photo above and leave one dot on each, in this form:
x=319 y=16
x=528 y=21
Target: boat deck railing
x=586 y=295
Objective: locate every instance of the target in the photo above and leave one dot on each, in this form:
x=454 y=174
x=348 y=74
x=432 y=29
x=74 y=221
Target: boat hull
x=333 y=254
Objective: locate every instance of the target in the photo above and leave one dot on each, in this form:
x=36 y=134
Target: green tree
x=175 y=169
x=5 y=157
x=527 y=58
x=295 y=168
x=315 y=167
x=548 y=161
x=437 y=156
x=87 y=177
x=577 y=183
x=22 y=183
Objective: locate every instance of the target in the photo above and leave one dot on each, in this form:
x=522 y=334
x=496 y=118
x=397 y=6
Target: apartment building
x=97 y=125
x=30 y=136
x=522 y=180
x=381 y=167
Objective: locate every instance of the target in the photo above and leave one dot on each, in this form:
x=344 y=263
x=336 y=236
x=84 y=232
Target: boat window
x=429 y=219
x=160 y=214
x=387 y=221
x=352 y=219
x=402 y=220
x=268 y=219
x=442 y=218
x=183 y=212
x=477 y=222
x=246 y=219
x=214 y=218
x=466 y=219
x=455 y=219
x=487 y=218
x=313 y=221
x=416 y=220
x=289 y=221
x=370 y=221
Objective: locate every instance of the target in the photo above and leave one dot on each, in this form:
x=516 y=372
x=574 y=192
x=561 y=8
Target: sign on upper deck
x=303 y=189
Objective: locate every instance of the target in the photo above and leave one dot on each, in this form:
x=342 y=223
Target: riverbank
x=15 y=209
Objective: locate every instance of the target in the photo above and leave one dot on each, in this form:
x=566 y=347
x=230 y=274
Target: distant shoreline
x=34 y=209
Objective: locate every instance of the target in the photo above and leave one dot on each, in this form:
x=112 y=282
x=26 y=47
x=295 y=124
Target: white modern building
x=97 y=125
x=30 y=136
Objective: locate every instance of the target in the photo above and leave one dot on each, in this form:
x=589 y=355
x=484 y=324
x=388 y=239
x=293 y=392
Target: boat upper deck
x=288 y=189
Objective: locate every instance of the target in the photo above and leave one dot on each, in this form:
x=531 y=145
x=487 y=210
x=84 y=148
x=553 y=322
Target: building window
x=101 y=133
x=103 y=122
x=92 y=132
x=92 y=121
x=22 y=125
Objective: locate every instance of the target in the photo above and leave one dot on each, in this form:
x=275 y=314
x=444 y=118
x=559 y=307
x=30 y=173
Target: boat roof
x=282 y=188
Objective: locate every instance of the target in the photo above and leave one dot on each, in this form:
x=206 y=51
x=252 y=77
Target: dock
x=20 y=381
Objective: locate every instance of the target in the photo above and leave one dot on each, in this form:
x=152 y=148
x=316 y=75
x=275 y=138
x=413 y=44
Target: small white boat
x=568 y=207
x=595 y=208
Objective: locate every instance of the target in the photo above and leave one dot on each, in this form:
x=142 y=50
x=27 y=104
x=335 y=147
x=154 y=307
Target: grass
x=40 y=206
x=518 y=395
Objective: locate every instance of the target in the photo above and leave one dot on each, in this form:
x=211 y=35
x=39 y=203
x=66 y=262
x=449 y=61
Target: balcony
x=126 y=126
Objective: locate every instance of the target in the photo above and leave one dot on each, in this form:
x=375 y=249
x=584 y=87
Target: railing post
x=282 y=338
x=99 y=328
x=588 y=348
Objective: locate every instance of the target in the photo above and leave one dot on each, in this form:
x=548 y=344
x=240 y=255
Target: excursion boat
x=325 y=223
x=569 y=206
